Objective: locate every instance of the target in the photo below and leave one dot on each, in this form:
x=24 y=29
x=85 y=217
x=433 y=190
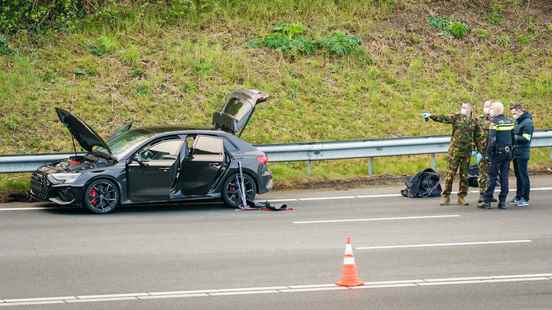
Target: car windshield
x=127 y=140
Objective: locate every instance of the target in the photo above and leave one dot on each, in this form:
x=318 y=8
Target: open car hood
x=238 y=110
x=85 y=135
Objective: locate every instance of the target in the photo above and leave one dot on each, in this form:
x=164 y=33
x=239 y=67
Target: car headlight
x=59 y=178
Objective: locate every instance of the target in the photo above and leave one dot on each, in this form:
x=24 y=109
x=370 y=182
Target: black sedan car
x=159 y=165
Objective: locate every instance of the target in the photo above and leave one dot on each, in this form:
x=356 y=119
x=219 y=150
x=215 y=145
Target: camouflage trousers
x=457 y=163
x=483 y=175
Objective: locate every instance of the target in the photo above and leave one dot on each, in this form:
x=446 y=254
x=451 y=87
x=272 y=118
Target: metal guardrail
x=308 y=152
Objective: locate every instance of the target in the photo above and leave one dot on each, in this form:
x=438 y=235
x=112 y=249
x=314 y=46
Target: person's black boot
x=484 y=205
x=502 y=205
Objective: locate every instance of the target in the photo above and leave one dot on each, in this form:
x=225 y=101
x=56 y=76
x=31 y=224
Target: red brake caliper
x=92 y=193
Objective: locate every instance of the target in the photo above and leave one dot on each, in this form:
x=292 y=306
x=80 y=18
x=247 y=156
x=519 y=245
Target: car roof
x=161 y=132
x=167 y=129
x=158 y=132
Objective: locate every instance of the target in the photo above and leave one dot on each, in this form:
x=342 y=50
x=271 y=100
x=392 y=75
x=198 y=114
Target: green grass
x=13 y=183
x=158 y=67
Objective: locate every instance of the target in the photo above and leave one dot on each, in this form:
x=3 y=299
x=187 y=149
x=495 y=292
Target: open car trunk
x=238 y=110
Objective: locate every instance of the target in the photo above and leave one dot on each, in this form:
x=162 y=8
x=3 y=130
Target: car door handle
x=164 y=169
x=215 y=165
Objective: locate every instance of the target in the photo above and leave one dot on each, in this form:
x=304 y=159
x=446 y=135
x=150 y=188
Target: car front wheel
x=231 y=194
x=101 y=196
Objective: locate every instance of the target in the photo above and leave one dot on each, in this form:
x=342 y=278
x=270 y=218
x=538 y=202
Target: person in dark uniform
x=499 y=153
x=523 y=133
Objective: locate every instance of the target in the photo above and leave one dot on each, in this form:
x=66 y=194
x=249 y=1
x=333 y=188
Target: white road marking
x=542 y=189
x=249 y=289
x=378 y=196
x=28 y=208
x=314 y=289
x=178 y=292
x=457 y=279
x=289 y=199
x=429 y=245
x=392 y=282
x=310 y=286
x=483 y=281
x=523 y=276
x=30 y=303
x=111 y=295
x=103 y=299
x=385 y=285
x=276 y=289
x=327 y=198
x=378 y=219
x=172 y=296
x=38 y=299
x=281 y=200
x=243 y=293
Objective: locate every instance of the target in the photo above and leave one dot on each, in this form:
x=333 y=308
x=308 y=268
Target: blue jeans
x=523 y=186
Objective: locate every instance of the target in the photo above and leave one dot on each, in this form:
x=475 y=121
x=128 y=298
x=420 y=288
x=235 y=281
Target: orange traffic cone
x=349 y=274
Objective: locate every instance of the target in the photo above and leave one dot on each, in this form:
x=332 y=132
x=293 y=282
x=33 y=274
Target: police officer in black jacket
x=499 y=153
x=523 y=134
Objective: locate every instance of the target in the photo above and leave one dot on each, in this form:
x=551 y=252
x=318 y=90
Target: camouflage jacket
x=482 y=133
x=463 y=132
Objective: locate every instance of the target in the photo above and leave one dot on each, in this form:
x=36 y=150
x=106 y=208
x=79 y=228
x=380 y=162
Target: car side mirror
x=140 y=162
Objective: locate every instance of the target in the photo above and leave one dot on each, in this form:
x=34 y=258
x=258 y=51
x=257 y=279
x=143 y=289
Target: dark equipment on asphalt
x=160 y=164
x=249 y=204
x=424 y=184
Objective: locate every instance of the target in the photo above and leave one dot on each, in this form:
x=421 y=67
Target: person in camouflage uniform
x=482 y=136
x=460 y=148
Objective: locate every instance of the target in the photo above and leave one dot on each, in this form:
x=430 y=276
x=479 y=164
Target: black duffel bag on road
x=423 y=185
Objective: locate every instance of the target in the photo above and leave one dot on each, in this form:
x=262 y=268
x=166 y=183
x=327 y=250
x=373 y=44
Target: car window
x=236 y=108
x=166 y=150
x=208 y=148
x=230 y=146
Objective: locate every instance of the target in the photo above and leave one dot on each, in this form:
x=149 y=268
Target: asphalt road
x=413 y=254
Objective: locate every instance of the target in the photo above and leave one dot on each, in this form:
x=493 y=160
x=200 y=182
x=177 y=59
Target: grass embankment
x=155 y=67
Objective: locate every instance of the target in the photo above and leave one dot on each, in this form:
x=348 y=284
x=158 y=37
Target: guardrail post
x=370 y=166
x=309 y=168
x=433 y=161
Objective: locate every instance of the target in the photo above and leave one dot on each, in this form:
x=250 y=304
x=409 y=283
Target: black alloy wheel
x=101 y=196
x=231 y=194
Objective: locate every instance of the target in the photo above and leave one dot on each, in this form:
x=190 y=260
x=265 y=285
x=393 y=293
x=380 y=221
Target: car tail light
x=263 y=159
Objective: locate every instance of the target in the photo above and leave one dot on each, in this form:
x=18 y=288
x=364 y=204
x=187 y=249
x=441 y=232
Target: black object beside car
x=158 y=165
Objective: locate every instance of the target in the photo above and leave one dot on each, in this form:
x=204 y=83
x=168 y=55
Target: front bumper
x=42 y=189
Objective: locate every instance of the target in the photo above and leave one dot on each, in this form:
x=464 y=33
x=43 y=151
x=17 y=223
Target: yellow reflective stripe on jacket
x=504 y=127
x=526 y=136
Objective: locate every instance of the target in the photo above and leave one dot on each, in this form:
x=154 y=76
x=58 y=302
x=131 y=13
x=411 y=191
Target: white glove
x=426 y=116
